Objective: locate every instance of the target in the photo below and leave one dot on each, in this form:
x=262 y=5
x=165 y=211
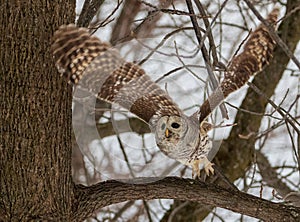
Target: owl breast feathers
x=95 y=67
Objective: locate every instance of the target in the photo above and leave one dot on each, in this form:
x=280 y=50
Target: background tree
x=35 y=157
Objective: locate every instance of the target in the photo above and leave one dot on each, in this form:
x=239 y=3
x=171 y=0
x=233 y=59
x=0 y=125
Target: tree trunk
x=35 y=106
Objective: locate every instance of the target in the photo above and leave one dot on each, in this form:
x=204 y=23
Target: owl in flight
x=94 y=66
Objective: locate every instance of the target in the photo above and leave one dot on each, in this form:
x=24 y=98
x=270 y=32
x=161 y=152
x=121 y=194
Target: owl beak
x=167 y=133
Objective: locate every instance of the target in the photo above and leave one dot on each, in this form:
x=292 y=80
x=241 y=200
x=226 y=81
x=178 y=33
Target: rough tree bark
x=35 y=107
x=109 y=192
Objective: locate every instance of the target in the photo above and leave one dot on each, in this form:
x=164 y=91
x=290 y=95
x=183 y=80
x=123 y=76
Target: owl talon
x=208 y=168
x=196 y=170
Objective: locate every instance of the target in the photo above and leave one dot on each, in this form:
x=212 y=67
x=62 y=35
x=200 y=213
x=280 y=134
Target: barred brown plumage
x=99 y=69
x=86 y=61
x=256 y=54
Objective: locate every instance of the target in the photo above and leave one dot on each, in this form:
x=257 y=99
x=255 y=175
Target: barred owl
x=94 y=66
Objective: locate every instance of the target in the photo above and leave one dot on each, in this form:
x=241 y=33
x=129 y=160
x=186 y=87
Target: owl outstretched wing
x=257 y=53
x=94 y=66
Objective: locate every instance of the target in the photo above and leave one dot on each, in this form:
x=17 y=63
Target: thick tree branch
x=123 y=25
x=111 y=192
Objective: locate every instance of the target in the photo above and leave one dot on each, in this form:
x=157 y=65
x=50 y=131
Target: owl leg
x=207 y=167
x=196 y=169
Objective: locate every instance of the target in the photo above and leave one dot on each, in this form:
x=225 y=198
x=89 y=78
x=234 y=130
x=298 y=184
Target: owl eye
x=175 y=125
x=163 y=126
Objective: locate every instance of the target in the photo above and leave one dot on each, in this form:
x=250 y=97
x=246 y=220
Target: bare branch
x=125 y=20
x=110 y=192
x=208 y=32
x=270 y=176
x=142 y=30
x=257 y=53
x=136 y=125
x=204 y=51
x=89 y=10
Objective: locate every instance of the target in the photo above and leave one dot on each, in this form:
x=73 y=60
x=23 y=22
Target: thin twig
x=212 y=78
x=290 y=119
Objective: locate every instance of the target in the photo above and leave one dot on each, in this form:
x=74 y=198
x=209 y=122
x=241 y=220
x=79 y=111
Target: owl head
x=177 y=136
x=171 y=128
